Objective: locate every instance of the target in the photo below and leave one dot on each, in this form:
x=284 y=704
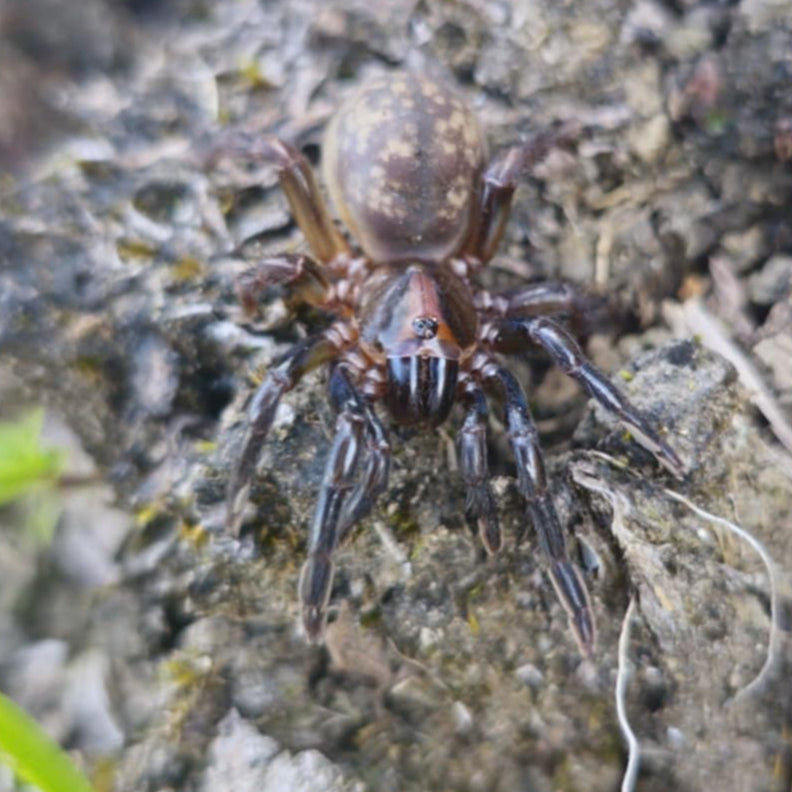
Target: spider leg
x=283 y=377
x=537 y=299
x=532 y=483
x=497 y=190
x=298 y=183
x=374 y=480
x=564 y=350
x=341 y=472
x=301 y=273
x=480 y=503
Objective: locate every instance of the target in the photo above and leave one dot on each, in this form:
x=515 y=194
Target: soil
x=164 y=653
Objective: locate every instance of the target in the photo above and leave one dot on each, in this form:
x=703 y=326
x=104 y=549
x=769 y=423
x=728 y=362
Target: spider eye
x=425 y=327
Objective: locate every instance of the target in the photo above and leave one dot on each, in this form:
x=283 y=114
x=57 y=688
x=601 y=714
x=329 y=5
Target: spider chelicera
x=404 y=163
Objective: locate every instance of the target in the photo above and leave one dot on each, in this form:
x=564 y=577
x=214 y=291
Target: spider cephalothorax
x=404 y=162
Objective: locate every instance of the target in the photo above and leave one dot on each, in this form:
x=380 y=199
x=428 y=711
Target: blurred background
x=163 y=654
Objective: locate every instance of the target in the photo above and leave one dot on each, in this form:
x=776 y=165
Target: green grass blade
x=24 y=464
x=33 y=756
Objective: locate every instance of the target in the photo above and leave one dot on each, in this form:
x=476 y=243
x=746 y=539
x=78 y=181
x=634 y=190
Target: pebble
x=651 y=138
x=773 y=282
x=428 y=639
x=87 y=706
x=36 y=673
x=412 y=698
x=155 y=376
x=775 y=353
x=530 y=675
x=676 y=738
x=462 y=717
x=243 y=759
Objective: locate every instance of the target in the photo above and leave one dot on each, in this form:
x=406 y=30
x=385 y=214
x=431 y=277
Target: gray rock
x=773 y=282
x=87 y=705
x=776 y=353
x=36 y=673
x=242 y=759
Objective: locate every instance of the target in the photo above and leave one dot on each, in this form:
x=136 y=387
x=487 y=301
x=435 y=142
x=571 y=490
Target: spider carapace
x=405 y=164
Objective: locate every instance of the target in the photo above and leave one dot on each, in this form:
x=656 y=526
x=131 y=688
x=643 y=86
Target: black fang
x=421 y=389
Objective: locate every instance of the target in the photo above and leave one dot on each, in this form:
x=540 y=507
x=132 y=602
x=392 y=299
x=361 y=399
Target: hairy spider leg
x=532 y=483
x=374 y=480
x=301 y=358
x=303 y=276
x=480 y=503
x=538 y=299
x=341 y=472
x=499 y=182
x=298 y=183
x=564 y=350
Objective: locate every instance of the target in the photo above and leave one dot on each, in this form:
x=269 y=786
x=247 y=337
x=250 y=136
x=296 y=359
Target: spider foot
x=573 y=595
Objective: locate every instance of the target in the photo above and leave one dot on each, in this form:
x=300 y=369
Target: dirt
x=164 y=653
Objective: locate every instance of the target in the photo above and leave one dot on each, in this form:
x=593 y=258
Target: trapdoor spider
x=404 y=163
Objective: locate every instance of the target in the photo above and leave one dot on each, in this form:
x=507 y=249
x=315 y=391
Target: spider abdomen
x=403 y=161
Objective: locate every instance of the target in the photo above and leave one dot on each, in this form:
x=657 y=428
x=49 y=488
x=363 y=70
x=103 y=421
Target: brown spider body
x=404 y=162
x=419 y=322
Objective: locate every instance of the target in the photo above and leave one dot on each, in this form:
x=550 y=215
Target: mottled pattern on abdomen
x=402 y=161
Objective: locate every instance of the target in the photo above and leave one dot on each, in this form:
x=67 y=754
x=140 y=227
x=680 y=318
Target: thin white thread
x=622 y=678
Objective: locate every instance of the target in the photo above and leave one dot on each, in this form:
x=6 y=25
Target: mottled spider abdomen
x=402 y=160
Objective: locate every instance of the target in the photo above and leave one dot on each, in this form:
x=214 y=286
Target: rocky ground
x=163 y=652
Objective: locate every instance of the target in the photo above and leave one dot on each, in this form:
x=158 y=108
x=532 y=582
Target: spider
x=404 y=161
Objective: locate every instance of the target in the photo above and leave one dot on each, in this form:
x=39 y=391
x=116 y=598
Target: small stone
x=305 y=771
x=530 y=675
x=676 y=738
x=87 y=706
x=655 y=690
x=588 y=674
x=647 y=22
x=284 y=416
x=650 y=139
x=36 y=673
x=238 y=756
x=89 y=536
x=155 y=376
x=203 y=635
x=463 y=718
x=412 y=698
x=744 y=248
x=689 y=39
x=642 y=90
x=427 y=639
x=776 y=353
x=773 y=282
x=254 y=691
